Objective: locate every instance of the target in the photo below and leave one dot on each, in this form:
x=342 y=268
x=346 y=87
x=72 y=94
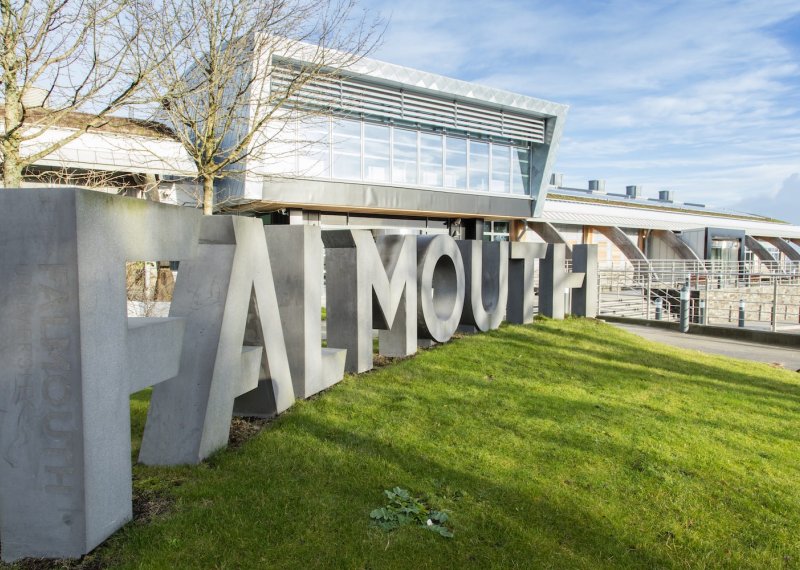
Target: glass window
x=478 y=166
x=404 y=167
x=347 y=149
x=496 y=231
x=520 y=171
x=279 y=138
x=431 y=159
x=377 y=152
x=725 y=250
x=500 y=227
x=456 y=169
x=501 y=168
x=313 y=147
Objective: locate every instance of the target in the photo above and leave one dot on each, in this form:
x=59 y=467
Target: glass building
x=384 y=146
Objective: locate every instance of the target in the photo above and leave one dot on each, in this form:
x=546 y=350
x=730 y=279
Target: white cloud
x=703 y=97
x=783 y=205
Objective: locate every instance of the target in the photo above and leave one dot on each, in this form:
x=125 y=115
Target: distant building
x=123 y=156
x=632 y=227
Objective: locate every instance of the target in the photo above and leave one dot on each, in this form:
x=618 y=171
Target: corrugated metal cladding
x=356 y=96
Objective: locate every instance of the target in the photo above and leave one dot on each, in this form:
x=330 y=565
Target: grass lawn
x=563 y=445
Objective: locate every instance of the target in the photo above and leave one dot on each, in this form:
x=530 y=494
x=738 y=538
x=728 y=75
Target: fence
x=754 y=294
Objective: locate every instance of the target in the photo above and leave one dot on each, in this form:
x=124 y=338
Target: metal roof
x=576 y=212
x=100 y=150
x=408 y=78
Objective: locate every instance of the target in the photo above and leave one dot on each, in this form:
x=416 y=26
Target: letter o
x=440 y=287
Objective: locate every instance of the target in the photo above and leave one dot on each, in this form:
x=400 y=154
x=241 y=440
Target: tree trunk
x=12 y=169
x=208 y=195
x=151 y=191
x=12 y=172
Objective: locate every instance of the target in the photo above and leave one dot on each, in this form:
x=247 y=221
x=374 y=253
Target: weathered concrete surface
x=296 y=259
x=370 y=284
x=160 y=341
x=440 y=287
x=226 y=294
x=67 y=370
x=522 y=279
x=486 y=286
x=785 y=356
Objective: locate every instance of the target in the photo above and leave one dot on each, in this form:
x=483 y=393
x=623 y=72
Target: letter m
x=370 y=284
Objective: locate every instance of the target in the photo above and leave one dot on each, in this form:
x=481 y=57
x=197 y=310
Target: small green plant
x=403 y=509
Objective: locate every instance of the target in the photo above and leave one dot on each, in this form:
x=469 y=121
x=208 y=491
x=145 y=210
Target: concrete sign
x=486 y=289
x=555 y=281
x=243 y=337
x=440 y=287
x=296 y=255
x=70 y=358
x=371 y=284
x=521 y=298
x=233 y=347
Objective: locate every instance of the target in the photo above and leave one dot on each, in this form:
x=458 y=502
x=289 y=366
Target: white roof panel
x=574 y=212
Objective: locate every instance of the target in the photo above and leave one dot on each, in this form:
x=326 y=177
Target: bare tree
x=217 y=93
x=64 y=60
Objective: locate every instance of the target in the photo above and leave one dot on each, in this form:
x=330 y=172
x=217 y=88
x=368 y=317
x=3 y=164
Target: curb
x=763 y=337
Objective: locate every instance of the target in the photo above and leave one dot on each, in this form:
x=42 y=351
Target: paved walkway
x=788 y=357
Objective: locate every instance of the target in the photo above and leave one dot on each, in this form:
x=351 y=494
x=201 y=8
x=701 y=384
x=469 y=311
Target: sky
x=700 y=97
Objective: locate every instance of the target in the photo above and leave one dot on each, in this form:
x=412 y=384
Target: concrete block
x=67 y=373
x=227 y=296
x=440 y=287
x=554 y=280
x=370 y=285
x=522 y=280
x=486 y=286
x=296 y=256
x=585 y=299
x=333 y=360
x=158 y=341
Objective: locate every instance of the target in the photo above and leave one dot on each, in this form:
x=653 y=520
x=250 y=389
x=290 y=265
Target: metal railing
x=755 y=294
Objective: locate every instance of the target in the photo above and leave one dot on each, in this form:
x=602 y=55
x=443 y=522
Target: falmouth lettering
x=243 y=337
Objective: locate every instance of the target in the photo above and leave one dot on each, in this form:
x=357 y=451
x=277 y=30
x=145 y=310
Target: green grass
x=562 y=445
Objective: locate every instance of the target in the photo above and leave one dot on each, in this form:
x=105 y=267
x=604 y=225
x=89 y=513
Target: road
x=789 y=358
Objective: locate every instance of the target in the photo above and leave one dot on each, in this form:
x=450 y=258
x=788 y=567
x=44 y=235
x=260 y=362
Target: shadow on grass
x=570 y=453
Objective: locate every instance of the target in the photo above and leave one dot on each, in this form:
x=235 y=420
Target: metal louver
x=346 y=94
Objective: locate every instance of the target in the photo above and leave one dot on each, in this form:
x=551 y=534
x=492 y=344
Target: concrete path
x=789 y=358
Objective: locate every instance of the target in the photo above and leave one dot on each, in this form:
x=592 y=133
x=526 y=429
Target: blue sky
x=699 y=97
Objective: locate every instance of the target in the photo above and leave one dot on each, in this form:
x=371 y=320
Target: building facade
x=402 y=149
x=392 y=149
x=398 y=149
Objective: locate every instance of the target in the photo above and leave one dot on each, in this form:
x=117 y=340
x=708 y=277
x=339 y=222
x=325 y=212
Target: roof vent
x=633 y=192
x=557 y=180
x=597 y=186
x=665 y=195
